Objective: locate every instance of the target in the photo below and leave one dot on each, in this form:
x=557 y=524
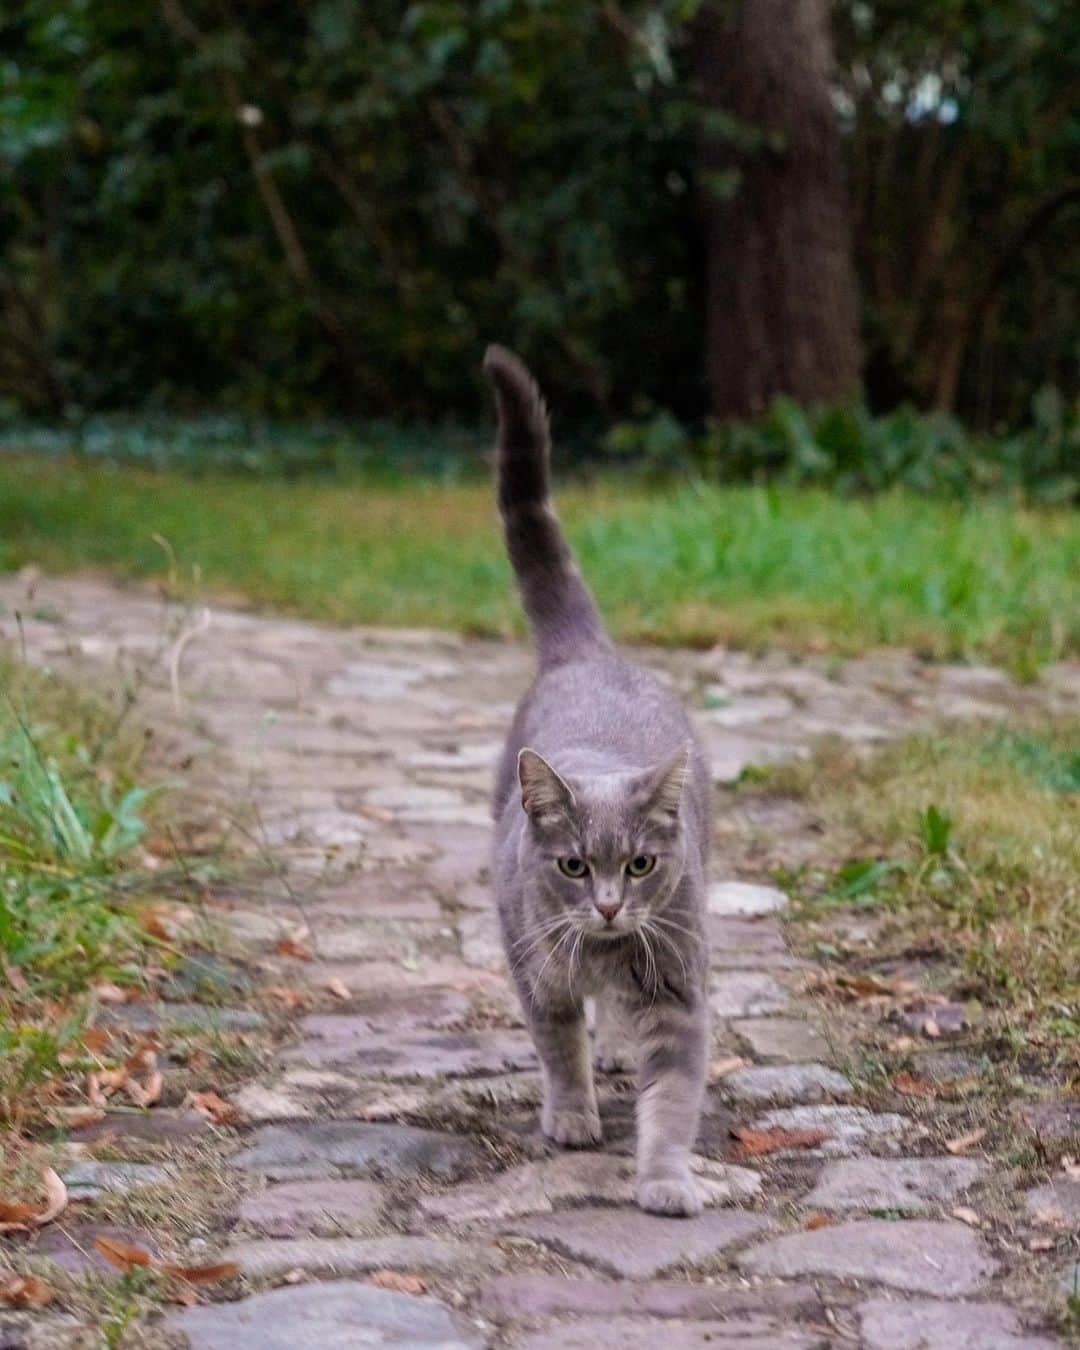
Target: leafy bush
x=847 y=448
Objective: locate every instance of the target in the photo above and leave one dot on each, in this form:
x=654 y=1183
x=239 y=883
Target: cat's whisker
x=567 y=932
x=678 y=927
x=664 y=937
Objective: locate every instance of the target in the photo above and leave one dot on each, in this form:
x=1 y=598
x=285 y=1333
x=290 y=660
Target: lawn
x=685 y=563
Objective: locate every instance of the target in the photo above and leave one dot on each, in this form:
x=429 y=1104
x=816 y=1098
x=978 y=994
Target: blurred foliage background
x=326 y=208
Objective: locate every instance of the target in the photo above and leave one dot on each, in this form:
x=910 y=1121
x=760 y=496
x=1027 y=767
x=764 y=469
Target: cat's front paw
x=675 y=1196
x=572 y=1129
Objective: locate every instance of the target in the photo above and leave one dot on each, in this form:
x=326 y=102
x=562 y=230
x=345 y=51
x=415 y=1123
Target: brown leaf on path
x=963 y=1142
x=817 y=1220
x=96 y=1039
x=911 y=1086
x=338 y=988
x=122 y=1255
x=967 y=1216
x=720 y=1068
x=398 y=1281
x=292 y=998
x=15 y=1218
x=224 y=1270
x=57 y=1196
x=291 y=946
x=102 y=1083
x=23 y=1217
x=25 y=1291
x=758 y=1143
x=216 y=1109
x=1042 y=1244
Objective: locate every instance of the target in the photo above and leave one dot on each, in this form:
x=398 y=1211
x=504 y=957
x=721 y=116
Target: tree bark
x=782 y=314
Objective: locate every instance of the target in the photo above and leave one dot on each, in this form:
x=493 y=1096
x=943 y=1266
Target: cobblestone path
x=393 y=1186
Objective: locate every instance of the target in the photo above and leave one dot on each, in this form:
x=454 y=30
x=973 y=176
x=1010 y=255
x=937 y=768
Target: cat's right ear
x=546 y=797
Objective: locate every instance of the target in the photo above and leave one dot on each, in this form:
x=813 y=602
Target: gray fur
x=601 y=764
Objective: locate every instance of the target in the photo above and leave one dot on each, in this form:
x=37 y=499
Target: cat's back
x=602 y=707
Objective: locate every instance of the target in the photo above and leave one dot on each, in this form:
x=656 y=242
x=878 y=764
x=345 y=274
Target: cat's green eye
x=642 y=865
x=574 y=868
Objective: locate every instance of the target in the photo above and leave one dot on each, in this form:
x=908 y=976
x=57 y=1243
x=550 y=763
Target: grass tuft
x=969 y=840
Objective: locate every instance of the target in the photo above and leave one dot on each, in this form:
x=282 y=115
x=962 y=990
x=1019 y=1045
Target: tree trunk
x=782 y=312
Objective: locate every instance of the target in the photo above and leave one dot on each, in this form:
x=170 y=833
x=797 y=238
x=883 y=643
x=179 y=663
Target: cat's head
x=610 y=847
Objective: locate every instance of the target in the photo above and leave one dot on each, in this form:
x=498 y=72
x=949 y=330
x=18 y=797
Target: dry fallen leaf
x=292 y=998
x=97 y=1039
x=122 y=1255
x=967 y=1216
x=911 y=1086
x=16 y=1217
x=720 y=1068
x=338 y=988
x=963 y=1142
x=102 y=1083
x=398 y=1281
x=817 y=1220
x=225 y=1270
x=291 y=946
x=213 y=1107
x=25 y=1291
x=901 y=1044
x=757 y=1143
x=1042 y=1244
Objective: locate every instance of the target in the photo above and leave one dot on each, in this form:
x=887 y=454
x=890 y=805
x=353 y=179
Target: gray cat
x=603 y=811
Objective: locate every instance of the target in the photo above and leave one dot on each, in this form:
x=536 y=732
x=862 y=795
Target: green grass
x=792 y=568
x=968 y=840
x=71 y=819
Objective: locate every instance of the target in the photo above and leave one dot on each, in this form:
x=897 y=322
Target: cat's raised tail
x=565 y=621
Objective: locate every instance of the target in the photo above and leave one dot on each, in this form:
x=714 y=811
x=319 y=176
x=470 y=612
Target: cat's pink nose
x=609 y=911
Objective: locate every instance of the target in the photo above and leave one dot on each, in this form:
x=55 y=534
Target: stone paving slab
x=623 y=1333
x=312 y=1208
x=786 y=1083
x=342 y=1041
x=271 y=1259
x=917 y=1324
x=635 y=1245
x=912 y=1185
x=327 y=1316
x=782 y=1038
x=513 y=1298
x=917 y=1255
x=284 y=1152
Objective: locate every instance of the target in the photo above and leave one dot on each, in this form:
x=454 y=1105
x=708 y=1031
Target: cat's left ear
x=664 y=787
